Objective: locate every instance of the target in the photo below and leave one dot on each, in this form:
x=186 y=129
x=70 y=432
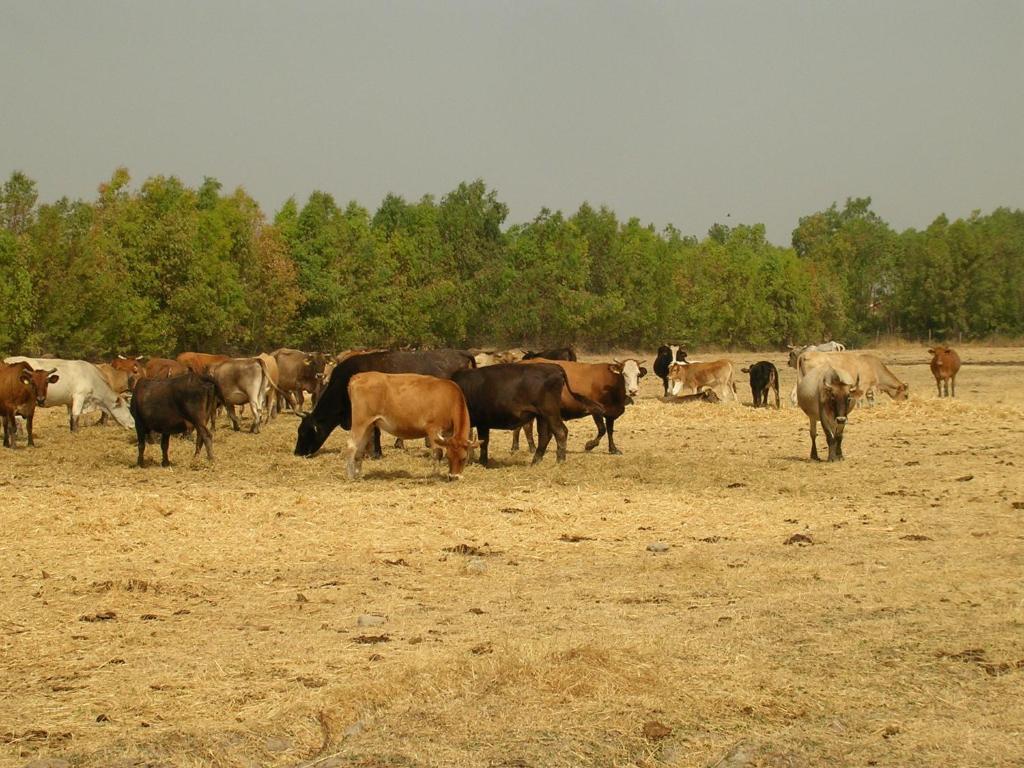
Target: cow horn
x=441 y=439
x=121 y=357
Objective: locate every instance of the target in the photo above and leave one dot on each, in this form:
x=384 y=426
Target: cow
x=612 y=385
x=945 y=364
x=22 y=388
x=409 y=405
x=868 y=369
x=241 y=381
x=162 y=368
x=510 y=396
x=828 y=395
x=764 y=376
x=200 y=362
x=495 y=357
x=173 y=406
x=561 y=353
x=667 y=355
x=717 y=374
x=80 y=387
x=121 y=379
x=270 y=404
x=135 y=367
x=705 y=395
x=299 y=372
x=334 y=409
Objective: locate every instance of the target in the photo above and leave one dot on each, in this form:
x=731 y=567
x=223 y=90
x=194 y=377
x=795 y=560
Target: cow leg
x=28 y=428
x=612 y=449
x=592 y=444
x=377 y=453
x=8 y=431
x=484 y=435
x=357 y=448
x=257 y=416
x=515 y=438
x=838 y=438
x=142 y=435
x=233 y=416
x=165 y=444
x=814 y=439
x=952 y=385
x=543 y=438
x=561 y=439
x=792 y=395
x=830 y=438
x=203 y=438
x=778 y=405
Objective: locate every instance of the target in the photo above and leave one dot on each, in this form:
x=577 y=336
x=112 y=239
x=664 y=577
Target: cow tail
x=592 y=407
x=218 y=396
x=266 y=375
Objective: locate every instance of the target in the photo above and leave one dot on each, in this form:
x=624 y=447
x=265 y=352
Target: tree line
x=164 y=267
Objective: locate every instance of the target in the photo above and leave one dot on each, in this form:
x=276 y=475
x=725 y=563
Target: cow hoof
x=165 y=463
x=614 y=451
x=590 y=446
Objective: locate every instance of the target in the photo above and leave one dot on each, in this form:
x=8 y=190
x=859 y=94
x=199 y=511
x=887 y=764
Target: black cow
x=763 y=377
x=334 y=409
x=509 y=396
x=562 y=353
x=667 y=356
x=173 y=406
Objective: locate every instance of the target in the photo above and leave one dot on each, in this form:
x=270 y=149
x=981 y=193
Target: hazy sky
x=677 y=112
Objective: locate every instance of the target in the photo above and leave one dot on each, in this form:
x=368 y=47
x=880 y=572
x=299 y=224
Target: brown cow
x=945 y=365
x=163 y=368
x=299 y=372
x=22 y=388
x=135 y=367
x=200 y=362
x=602 y=383
x=689 y=379
x=409 y=405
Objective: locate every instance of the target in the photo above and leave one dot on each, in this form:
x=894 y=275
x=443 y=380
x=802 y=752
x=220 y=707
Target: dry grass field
x=209 y=615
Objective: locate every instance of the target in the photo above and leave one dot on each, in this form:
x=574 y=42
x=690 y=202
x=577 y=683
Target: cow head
x=678 y=353
x=708 y=395
x=632 y=371
x=311 y=436
x=902 y=392
x=839 y=396
x=457 y=450
x=38 y=382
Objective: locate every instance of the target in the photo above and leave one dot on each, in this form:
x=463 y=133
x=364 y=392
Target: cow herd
x=443 y=396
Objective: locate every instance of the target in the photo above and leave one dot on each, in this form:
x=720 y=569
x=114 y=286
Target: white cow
x=81 y=387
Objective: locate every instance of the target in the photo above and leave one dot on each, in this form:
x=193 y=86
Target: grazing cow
x=200 y=362
x=869 y=369
x=334 y=409
x=764 y=376
x=80 y=387
x=173 y=406
x=409 y=405
x=562 y=353
x=299 y=372
x=270 y=404
x=121 y=379
x=509 y=396
x=162 y=368
x=22 y=388
x=611 y=385
x=828 y=395
x=945 y=364
x=706 y=395
x=717 y=374
x=668 y=354
x=241 y=381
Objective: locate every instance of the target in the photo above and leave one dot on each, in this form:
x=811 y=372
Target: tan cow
x=945 y=364
x=409 y=405
x=690 y=379
x=241 y=381
x=270 y=405
x=871 y=372
x=200 y=362
x=828 y=395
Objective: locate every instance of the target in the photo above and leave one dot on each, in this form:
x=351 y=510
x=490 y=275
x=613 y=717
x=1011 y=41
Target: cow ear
x=307 y=361
x=931 y=351
x=25 y=378
x=53 y=378
x=827 y=387
x=643 y=371
x=856 y=393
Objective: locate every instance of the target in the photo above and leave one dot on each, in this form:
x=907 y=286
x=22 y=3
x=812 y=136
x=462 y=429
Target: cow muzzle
x=452 y=477
x=633 y=392
x=840 y=419
x=40 y=401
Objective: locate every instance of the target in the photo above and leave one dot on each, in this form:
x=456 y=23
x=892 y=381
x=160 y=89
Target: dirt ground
x=210 y=615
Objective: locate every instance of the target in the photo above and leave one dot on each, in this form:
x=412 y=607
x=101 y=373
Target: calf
x=717 y=375
x=764 y=376
x=945 y=364
x=706 y=395
x=241 y=381
x=173 y=406
x=828 y=395
x=409 y=405
x=668 y=355
x=22 y=388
